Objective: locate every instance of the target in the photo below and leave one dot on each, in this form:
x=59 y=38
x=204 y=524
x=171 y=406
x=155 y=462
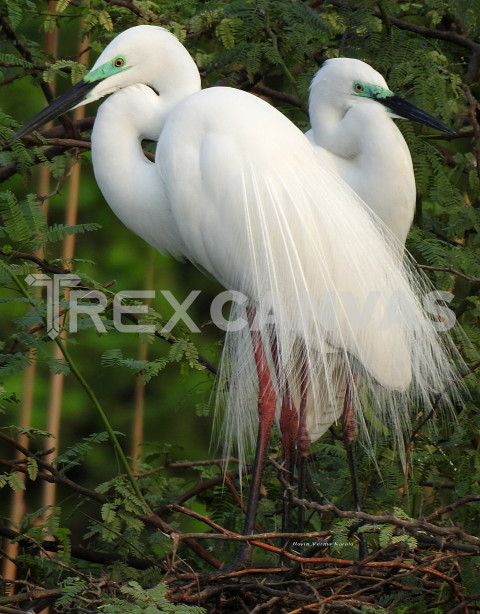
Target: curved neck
x=130 y=183
x=369 y=152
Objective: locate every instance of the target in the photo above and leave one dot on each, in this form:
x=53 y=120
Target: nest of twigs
x=427 y=567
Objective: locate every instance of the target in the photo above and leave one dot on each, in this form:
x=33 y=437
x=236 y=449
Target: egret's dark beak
x=61 y=105
x=402 y=108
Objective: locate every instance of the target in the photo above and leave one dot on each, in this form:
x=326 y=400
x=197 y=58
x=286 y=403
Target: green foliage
x=58 y=232
x=152 y=601
x=13 y=480
x=23 y=221
x=71 y=588
x=59 y=68
x=76 y=454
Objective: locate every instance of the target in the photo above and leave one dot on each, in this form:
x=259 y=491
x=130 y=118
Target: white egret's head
x=144 y=54
x=346 y=82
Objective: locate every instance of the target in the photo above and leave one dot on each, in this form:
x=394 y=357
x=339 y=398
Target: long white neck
x=368 y=151
x=130 y=183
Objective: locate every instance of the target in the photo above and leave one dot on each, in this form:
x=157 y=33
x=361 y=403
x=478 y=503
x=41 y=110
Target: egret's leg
x=303 y=446
x=266 y=414
x=348 y=426
x=288 y=423
x=288 y=428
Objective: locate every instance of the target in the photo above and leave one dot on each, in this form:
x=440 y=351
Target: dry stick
x=175 y=535
x=32 y=594
x=390 y=519
x=57 y=379
x=448 y=269
x=139 y=392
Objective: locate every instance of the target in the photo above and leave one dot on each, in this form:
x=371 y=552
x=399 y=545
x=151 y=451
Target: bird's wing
x=255 y=208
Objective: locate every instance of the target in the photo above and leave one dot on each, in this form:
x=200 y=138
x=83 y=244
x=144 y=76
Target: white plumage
x=237 y=189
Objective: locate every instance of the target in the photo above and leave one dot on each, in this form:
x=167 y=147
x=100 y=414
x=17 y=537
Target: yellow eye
x=118 y=62
x=358 y=87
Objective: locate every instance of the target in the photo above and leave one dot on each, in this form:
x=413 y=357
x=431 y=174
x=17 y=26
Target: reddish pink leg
x=288 y=416
x=288 y=427
x=266 y=414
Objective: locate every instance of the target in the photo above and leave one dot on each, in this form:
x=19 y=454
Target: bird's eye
x=118 y=62
x=358 y=87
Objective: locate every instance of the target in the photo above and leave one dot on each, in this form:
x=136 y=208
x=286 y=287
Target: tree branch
x=448 y=270
x=390 y=519
x=472 y=111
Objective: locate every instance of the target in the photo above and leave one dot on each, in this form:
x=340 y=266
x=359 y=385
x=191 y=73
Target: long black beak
x=61 y=105
x=405 y=109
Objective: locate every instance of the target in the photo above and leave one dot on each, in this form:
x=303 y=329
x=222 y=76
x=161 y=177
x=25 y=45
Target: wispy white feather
x=236 y=189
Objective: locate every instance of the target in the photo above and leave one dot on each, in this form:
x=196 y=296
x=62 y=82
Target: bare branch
x=472 y=111
x=448 y=270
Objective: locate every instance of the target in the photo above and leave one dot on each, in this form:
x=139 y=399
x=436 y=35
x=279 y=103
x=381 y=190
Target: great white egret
x=351 y=111
x=237 y=189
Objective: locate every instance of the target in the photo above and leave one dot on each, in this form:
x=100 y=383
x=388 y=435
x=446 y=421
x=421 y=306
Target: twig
x=195 y=490
x=66 y=143
x=452 y=506
x=451 y=37
x=226 y=535
x=389 y=519
x=269 y=92
x=103 y=416
x=32 y=594
x=472 y=111
x=445 y=238
x=188 y=465
x=174 y=533
x=58 y=479
x=40 y=262
x=461 y=606
x=448 y=270
x=6 y=610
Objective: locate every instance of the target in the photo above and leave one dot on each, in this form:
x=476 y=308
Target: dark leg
x=288 y=428
x=303 y=446
x=266 y=414
x=348 y=426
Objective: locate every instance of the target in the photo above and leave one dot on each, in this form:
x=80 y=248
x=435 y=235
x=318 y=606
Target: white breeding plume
x=238 y=190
